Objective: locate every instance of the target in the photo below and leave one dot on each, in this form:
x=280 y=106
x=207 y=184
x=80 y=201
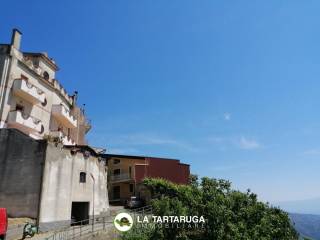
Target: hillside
x=307 y=224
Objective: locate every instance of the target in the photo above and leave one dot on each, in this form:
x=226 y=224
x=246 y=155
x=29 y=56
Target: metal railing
x=121 y=177
x=89 y=227
x=82 y=229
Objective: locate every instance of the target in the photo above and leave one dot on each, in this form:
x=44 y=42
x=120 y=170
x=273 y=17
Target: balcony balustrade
x=28 y=91
x=63 y=115
x=64 y=138
x=121 y=177
x=26 y=123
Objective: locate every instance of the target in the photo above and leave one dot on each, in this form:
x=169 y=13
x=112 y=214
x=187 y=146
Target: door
x=80 y=213
x=116 y=192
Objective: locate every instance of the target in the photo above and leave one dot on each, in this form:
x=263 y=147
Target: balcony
x=121 y=177
x=64 y=138
x=26 y=123
x=63 y=116
x=28 y=91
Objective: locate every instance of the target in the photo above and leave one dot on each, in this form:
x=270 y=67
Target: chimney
x=16 y=38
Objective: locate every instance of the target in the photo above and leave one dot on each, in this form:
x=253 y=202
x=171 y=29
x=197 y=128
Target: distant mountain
x=308 y=225
x=308 y=206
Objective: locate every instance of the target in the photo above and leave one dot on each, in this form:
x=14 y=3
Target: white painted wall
x=61 y=186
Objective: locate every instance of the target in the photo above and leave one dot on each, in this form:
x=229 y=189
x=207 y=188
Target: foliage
x=229 y=214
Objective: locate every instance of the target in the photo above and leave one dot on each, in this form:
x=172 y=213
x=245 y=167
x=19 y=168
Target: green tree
x=229 y=214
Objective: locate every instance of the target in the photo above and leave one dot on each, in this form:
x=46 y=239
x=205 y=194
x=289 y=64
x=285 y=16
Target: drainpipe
x=94 y=181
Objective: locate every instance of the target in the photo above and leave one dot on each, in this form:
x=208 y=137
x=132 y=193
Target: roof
x=44 y=57
x=99 y=150
x=84 y=147
x=109 y=156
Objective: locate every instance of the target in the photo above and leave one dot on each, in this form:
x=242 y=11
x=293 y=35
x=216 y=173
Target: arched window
x=46 y=75
x=44 y=103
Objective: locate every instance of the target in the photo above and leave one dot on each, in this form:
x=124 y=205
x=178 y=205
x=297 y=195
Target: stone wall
x=21 y=165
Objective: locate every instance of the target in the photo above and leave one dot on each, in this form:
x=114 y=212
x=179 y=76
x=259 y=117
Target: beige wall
x=124 y=190
x=124 y=165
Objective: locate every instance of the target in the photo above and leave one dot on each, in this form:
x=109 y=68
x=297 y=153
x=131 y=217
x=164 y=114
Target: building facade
x=49 y=182
x=47 y=170
x=32 y=99
x=127 y=172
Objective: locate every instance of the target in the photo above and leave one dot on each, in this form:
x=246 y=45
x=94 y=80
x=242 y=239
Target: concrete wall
x=61 y=185
x=21 y=164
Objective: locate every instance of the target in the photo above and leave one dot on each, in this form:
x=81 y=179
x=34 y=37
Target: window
x=116 y=161
x=130 y=170
x=46 y=75
x=83 y=177
x=116 y=172
x=44 y=103
x=131 y=188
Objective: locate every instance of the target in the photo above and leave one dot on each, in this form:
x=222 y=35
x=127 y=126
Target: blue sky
x=230 y=87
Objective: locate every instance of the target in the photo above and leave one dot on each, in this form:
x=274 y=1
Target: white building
x=33 y=101
x=47 y=171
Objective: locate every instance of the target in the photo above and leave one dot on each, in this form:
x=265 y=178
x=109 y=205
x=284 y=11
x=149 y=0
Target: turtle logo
x=123 y=222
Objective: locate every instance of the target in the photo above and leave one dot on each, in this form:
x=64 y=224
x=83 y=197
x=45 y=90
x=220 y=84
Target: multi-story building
x=127 y=172
x=47 y=171
x=32 y=99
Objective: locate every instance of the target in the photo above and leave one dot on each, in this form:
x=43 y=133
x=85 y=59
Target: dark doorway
x=80 y=213
x=116 y=192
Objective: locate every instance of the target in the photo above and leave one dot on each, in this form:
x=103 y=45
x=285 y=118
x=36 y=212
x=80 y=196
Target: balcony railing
x=121 y=177
x=28 y=91
x=64 y=138
x=18 y=119
x=63 y=115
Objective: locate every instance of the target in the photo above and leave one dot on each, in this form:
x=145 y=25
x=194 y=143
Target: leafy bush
x=229 y=214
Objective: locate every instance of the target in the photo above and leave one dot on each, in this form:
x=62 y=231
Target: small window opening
x=83 y=176
x=116 y=161
x=46 y=75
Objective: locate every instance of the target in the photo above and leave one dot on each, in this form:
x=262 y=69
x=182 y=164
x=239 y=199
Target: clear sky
x=230 y=87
